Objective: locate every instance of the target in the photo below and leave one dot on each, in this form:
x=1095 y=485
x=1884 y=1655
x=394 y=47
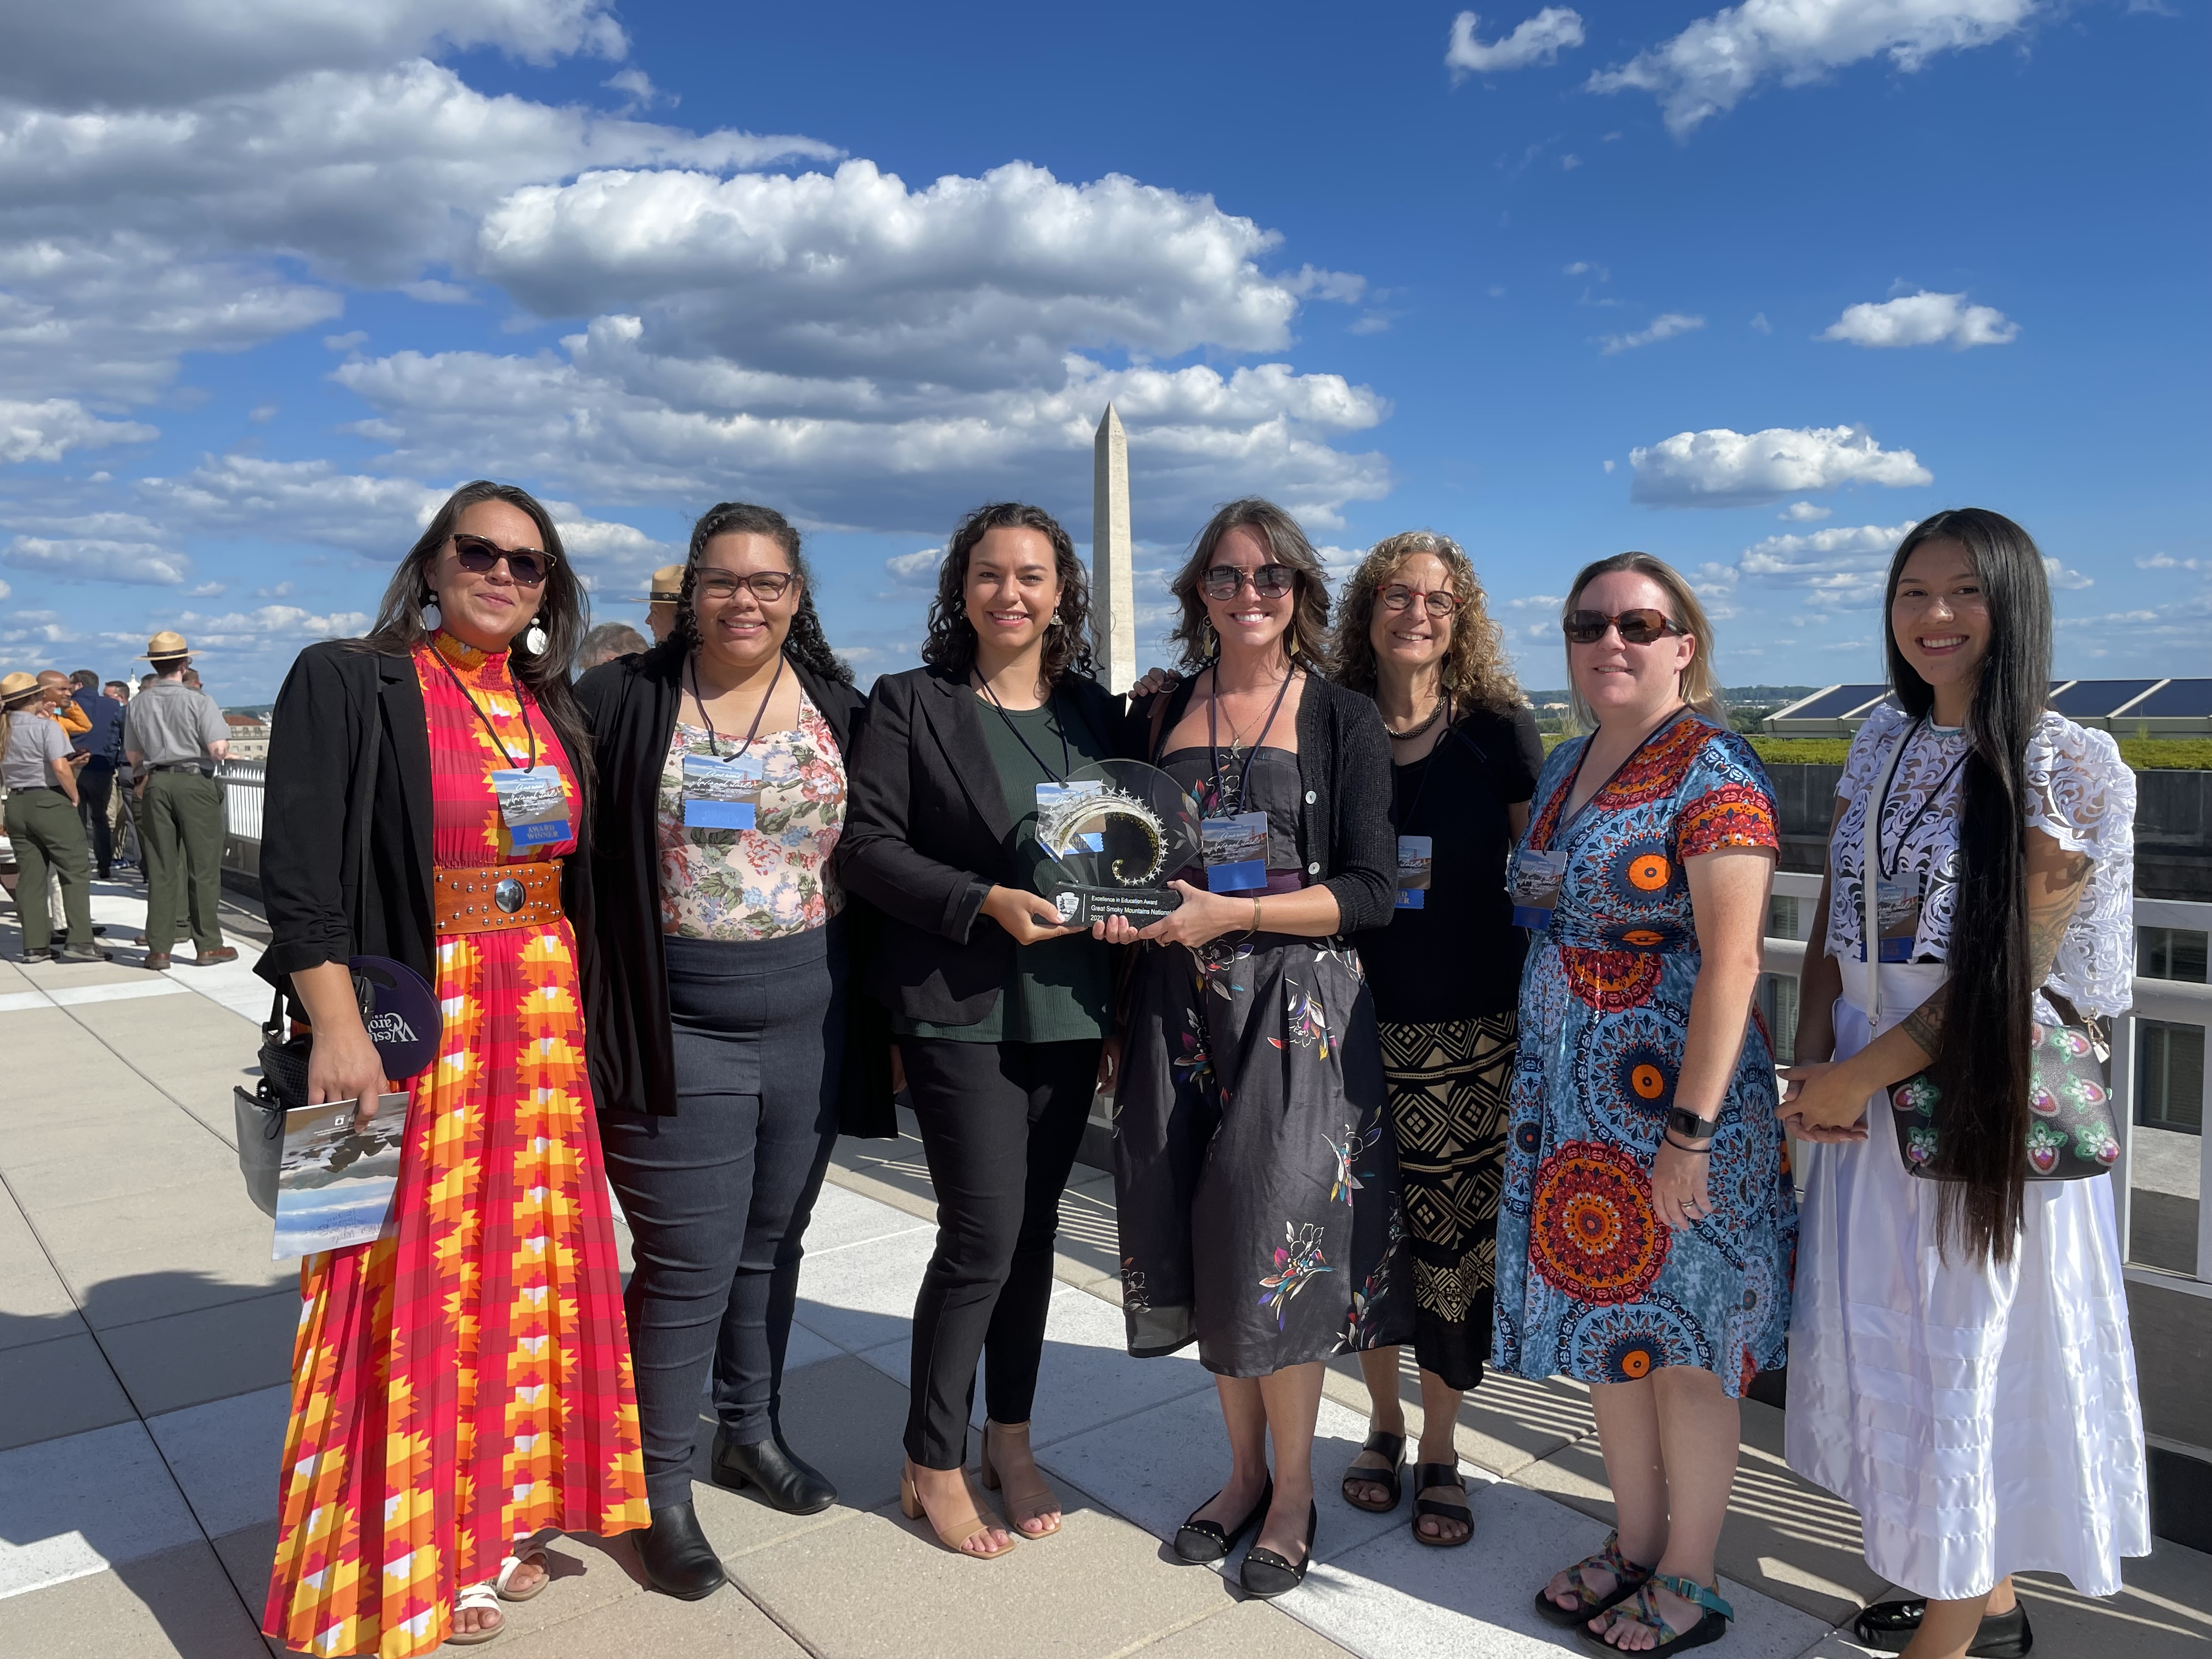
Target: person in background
x=174 y=738
x=61 y=706
x=606 y=642
x=42 y=820
x=1412 y=632
x=147 y=682
x=117 y=691
x=101 y=746
x=192 y=678
x=662 y=597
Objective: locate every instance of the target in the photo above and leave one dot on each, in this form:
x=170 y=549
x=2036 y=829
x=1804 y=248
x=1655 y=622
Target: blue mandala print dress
x=1591 y=1282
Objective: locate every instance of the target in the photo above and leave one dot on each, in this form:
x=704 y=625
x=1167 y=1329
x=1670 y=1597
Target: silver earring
x=433 y=618
x=533 y=640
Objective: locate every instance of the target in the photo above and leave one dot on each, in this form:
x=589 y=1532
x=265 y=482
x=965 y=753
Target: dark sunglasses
x=527 y=565
x=1269 y=581
x=768 y=585
x=1438 y=603
x=1636 y=626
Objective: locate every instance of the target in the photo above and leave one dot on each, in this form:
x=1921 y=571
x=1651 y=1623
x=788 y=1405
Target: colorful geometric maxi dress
x=465 y=1383
x=1591 y=1284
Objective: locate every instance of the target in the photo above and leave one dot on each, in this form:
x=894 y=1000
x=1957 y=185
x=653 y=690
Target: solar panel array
x=2118 y=701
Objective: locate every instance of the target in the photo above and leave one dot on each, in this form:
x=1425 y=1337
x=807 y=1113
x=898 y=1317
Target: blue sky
x=1752 y=288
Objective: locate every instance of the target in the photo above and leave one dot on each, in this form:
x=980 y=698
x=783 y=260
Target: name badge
x=1416 y=856
x=1236 y=852
x=1051 y=795
x=721 y=793
x=1536 y=879
x=1897 y=917
x=532 y=803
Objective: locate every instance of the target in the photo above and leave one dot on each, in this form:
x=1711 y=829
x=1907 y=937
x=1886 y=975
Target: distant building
x=2126 y=708
x=249 y=737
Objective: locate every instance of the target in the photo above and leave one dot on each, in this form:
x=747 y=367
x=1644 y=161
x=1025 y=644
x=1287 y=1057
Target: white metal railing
x=2175 y=1001
x=243 y=781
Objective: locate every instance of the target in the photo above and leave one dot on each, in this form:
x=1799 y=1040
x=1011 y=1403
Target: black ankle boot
x=678 y=1559
x=783 y=1479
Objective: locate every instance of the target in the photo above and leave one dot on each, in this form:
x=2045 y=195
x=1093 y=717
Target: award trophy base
x=1140 y=906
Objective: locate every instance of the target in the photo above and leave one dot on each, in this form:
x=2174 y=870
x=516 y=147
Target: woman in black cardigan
x=1256 y=1171
x=718 y=1031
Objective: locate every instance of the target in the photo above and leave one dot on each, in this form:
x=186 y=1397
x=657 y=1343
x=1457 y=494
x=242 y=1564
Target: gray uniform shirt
x=37 y=749
x=170 y=721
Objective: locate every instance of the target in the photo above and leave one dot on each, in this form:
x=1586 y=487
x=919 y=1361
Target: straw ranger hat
x=667 y=585
x=17 y=686
x=163 y=647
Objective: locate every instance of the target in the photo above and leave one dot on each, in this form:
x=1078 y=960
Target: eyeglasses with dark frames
x=1441 y=602
x=479 y=555
x=1640 y=627
x=766 y=585
x=1268 y=582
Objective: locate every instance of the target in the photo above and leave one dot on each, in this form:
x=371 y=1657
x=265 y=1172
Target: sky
x=1752 y=288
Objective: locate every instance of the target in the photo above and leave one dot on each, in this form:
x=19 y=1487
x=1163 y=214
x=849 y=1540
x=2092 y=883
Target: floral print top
x=770 y=880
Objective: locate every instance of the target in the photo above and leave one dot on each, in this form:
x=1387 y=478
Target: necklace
x=1415 y=731
x=1236 y=732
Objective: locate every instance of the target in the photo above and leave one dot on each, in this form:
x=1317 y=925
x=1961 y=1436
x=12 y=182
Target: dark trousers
x=96 y=789
x=1000 y=1124
x=718 y=1196
x=46 y=834
x=180 y=824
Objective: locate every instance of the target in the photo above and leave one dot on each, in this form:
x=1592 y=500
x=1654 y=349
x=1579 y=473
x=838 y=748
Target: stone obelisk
x=1113 y=580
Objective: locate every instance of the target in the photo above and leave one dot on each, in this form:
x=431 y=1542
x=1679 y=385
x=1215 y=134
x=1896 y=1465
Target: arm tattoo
x=2049 y=915
x=1924 y=1024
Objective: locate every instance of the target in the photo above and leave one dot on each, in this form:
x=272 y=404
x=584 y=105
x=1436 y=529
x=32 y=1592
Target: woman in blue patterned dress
x=1645 y=1234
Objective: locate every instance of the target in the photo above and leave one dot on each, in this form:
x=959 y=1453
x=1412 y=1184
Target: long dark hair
x=563 y=612
x=1983 y=1068
x=1307 y=637
x=951 y=644
x=805 y=645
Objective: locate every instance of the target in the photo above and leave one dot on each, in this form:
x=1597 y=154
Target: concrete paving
x=145 y=1334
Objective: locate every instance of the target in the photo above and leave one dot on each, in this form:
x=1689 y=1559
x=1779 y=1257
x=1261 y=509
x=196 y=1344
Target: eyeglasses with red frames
x=1636 y=626
x=527 y=565
x=767 y=586
x=1268 y=582
x=1440 y=603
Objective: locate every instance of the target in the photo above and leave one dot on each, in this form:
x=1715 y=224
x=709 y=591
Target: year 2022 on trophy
x=1118 y=831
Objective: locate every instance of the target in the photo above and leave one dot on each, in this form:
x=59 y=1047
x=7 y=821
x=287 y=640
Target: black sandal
x=1267 y=1575
x=1427 y=1475
x=1203 y=1542
x=1392 y=1446
x=1627 y=1579
x=1714 y=1617
x=1888 y=1626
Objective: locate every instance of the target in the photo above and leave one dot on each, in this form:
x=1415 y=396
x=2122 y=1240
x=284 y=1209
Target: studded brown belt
x=490 y=898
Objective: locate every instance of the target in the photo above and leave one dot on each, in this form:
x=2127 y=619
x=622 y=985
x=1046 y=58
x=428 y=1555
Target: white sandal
x=476 y=1598
x=515 y=1564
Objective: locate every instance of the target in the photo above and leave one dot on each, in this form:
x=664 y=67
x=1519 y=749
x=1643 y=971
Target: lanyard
x=1213 y=733
x=498 y=742
x=1887 y=870
x=1429 y=766
x=1567 y=789
x=1060 y=722
x=759 y=713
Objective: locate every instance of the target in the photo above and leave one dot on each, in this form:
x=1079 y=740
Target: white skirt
x=1981 y=1420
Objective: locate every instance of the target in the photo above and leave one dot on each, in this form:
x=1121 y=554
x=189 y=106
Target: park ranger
x=174 y=735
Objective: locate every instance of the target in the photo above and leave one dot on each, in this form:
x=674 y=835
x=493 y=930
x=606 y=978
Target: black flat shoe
x=1392 y=1446
x=678 y=1559
x=784 y=1479
x=1267 y=1575
x=1888 y=1626
x=1202 y=1542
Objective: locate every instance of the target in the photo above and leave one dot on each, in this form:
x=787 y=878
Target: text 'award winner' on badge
x=721 y=793
x=1119 y=831
x=532 y=803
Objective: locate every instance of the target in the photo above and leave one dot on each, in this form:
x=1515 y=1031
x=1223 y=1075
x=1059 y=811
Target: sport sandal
x=1267 y=1575
x=1202 y=1542
x=1428 y=1476
x=1627 y=1577
x=476 y=1598
x=1391 y=1446
x=1888 y=1626
x=502 y=1583
x=1712 y=1623
x=1037 y=1503
x=963 y=1528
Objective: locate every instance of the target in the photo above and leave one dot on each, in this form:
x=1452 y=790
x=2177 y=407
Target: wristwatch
x=1680 y=1120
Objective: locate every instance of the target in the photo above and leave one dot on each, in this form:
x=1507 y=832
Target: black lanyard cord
x=1887 y=868
x=1059 y=721
x=498 y=742
x=759 y=713
x=1214 y=731
x=1568 y=788
x=1429 y=764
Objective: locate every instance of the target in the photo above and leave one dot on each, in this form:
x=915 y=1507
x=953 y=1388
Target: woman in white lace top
x=1961 y=1370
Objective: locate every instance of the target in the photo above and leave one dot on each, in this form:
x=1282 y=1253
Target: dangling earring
x=533 y=638
x=1290 y=643
x=433 y=618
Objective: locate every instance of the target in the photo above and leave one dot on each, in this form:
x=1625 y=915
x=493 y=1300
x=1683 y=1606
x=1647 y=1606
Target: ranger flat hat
x=17 y=685
x=163 y=645
x=667 y=585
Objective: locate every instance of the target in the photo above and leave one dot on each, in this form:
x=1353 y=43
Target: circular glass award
x=1118 y=831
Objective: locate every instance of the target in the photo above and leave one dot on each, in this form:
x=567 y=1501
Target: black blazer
x=925 y=839
x=344 y=708
x=1344 y=835
x=631 y=705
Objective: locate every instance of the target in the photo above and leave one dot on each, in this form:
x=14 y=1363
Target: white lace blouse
x=2082 y=796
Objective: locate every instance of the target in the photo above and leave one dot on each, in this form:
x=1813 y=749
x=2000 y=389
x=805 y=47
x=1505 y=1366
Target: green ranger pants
x=181 y=822
x=48 y=835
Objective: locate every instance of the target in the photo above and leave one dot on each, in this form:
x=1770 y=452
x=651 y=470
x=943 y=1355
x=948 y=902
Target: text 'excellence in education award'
x=1119 y=831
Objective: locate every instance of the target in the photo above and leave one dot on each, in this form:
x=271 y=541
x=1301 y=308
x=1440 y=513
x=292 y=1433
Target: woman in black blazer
x=718 y=1031
x=1002 y=1015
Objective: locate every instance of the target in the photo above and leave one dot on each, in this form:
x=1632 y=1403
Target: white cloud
x=1665 y=326
x=2168 y=561
x=1830 y=567
x=917 y=569
x=2061 y=574
x=346 y=342
x=94 y=559
x=1759 y=324
x=1805 y=513
x=287 y=624
x=1718 y=61
x=49 y=429
x=1538 y=39
x=1924 y=319
x=434 y=293
x=5 y=590
x=294 y=502
x=1721 y=468
x=1587 y=268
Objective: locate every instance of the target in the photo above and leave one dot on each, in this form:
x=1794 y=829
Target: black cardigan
x=1344 y=835
x=630 y=705
x=925 y=839
x=340 y=698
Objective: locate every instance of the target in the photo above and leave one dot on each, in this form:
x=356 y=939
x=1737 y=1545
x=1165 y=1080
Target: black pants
x=1000 y=1124
x=95 y=786
x=718 y=1196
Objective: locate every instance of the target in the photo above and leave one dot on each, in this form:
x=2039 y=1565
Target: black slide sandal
x=1392 y=1446
x=1429 y=1475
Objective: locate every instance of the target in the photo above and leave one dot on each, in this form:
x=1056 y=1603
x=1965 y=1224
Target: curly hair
x=1475 y=669
x=951 y=644
x=1307 y=637
x=805 y=644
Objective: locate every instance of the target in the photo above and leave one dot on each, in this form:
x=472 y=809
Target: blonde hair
x=1699 y=687
x=1475 y=670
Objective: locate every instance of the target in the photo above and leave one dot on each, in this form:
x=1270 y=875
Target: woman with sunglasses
x=1414 y=633
x=461 y=1387
x=1003 y=1014
x=721 y=1041
x=1647 y=1223
x=1255 y=1170
x=1960 y=1371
